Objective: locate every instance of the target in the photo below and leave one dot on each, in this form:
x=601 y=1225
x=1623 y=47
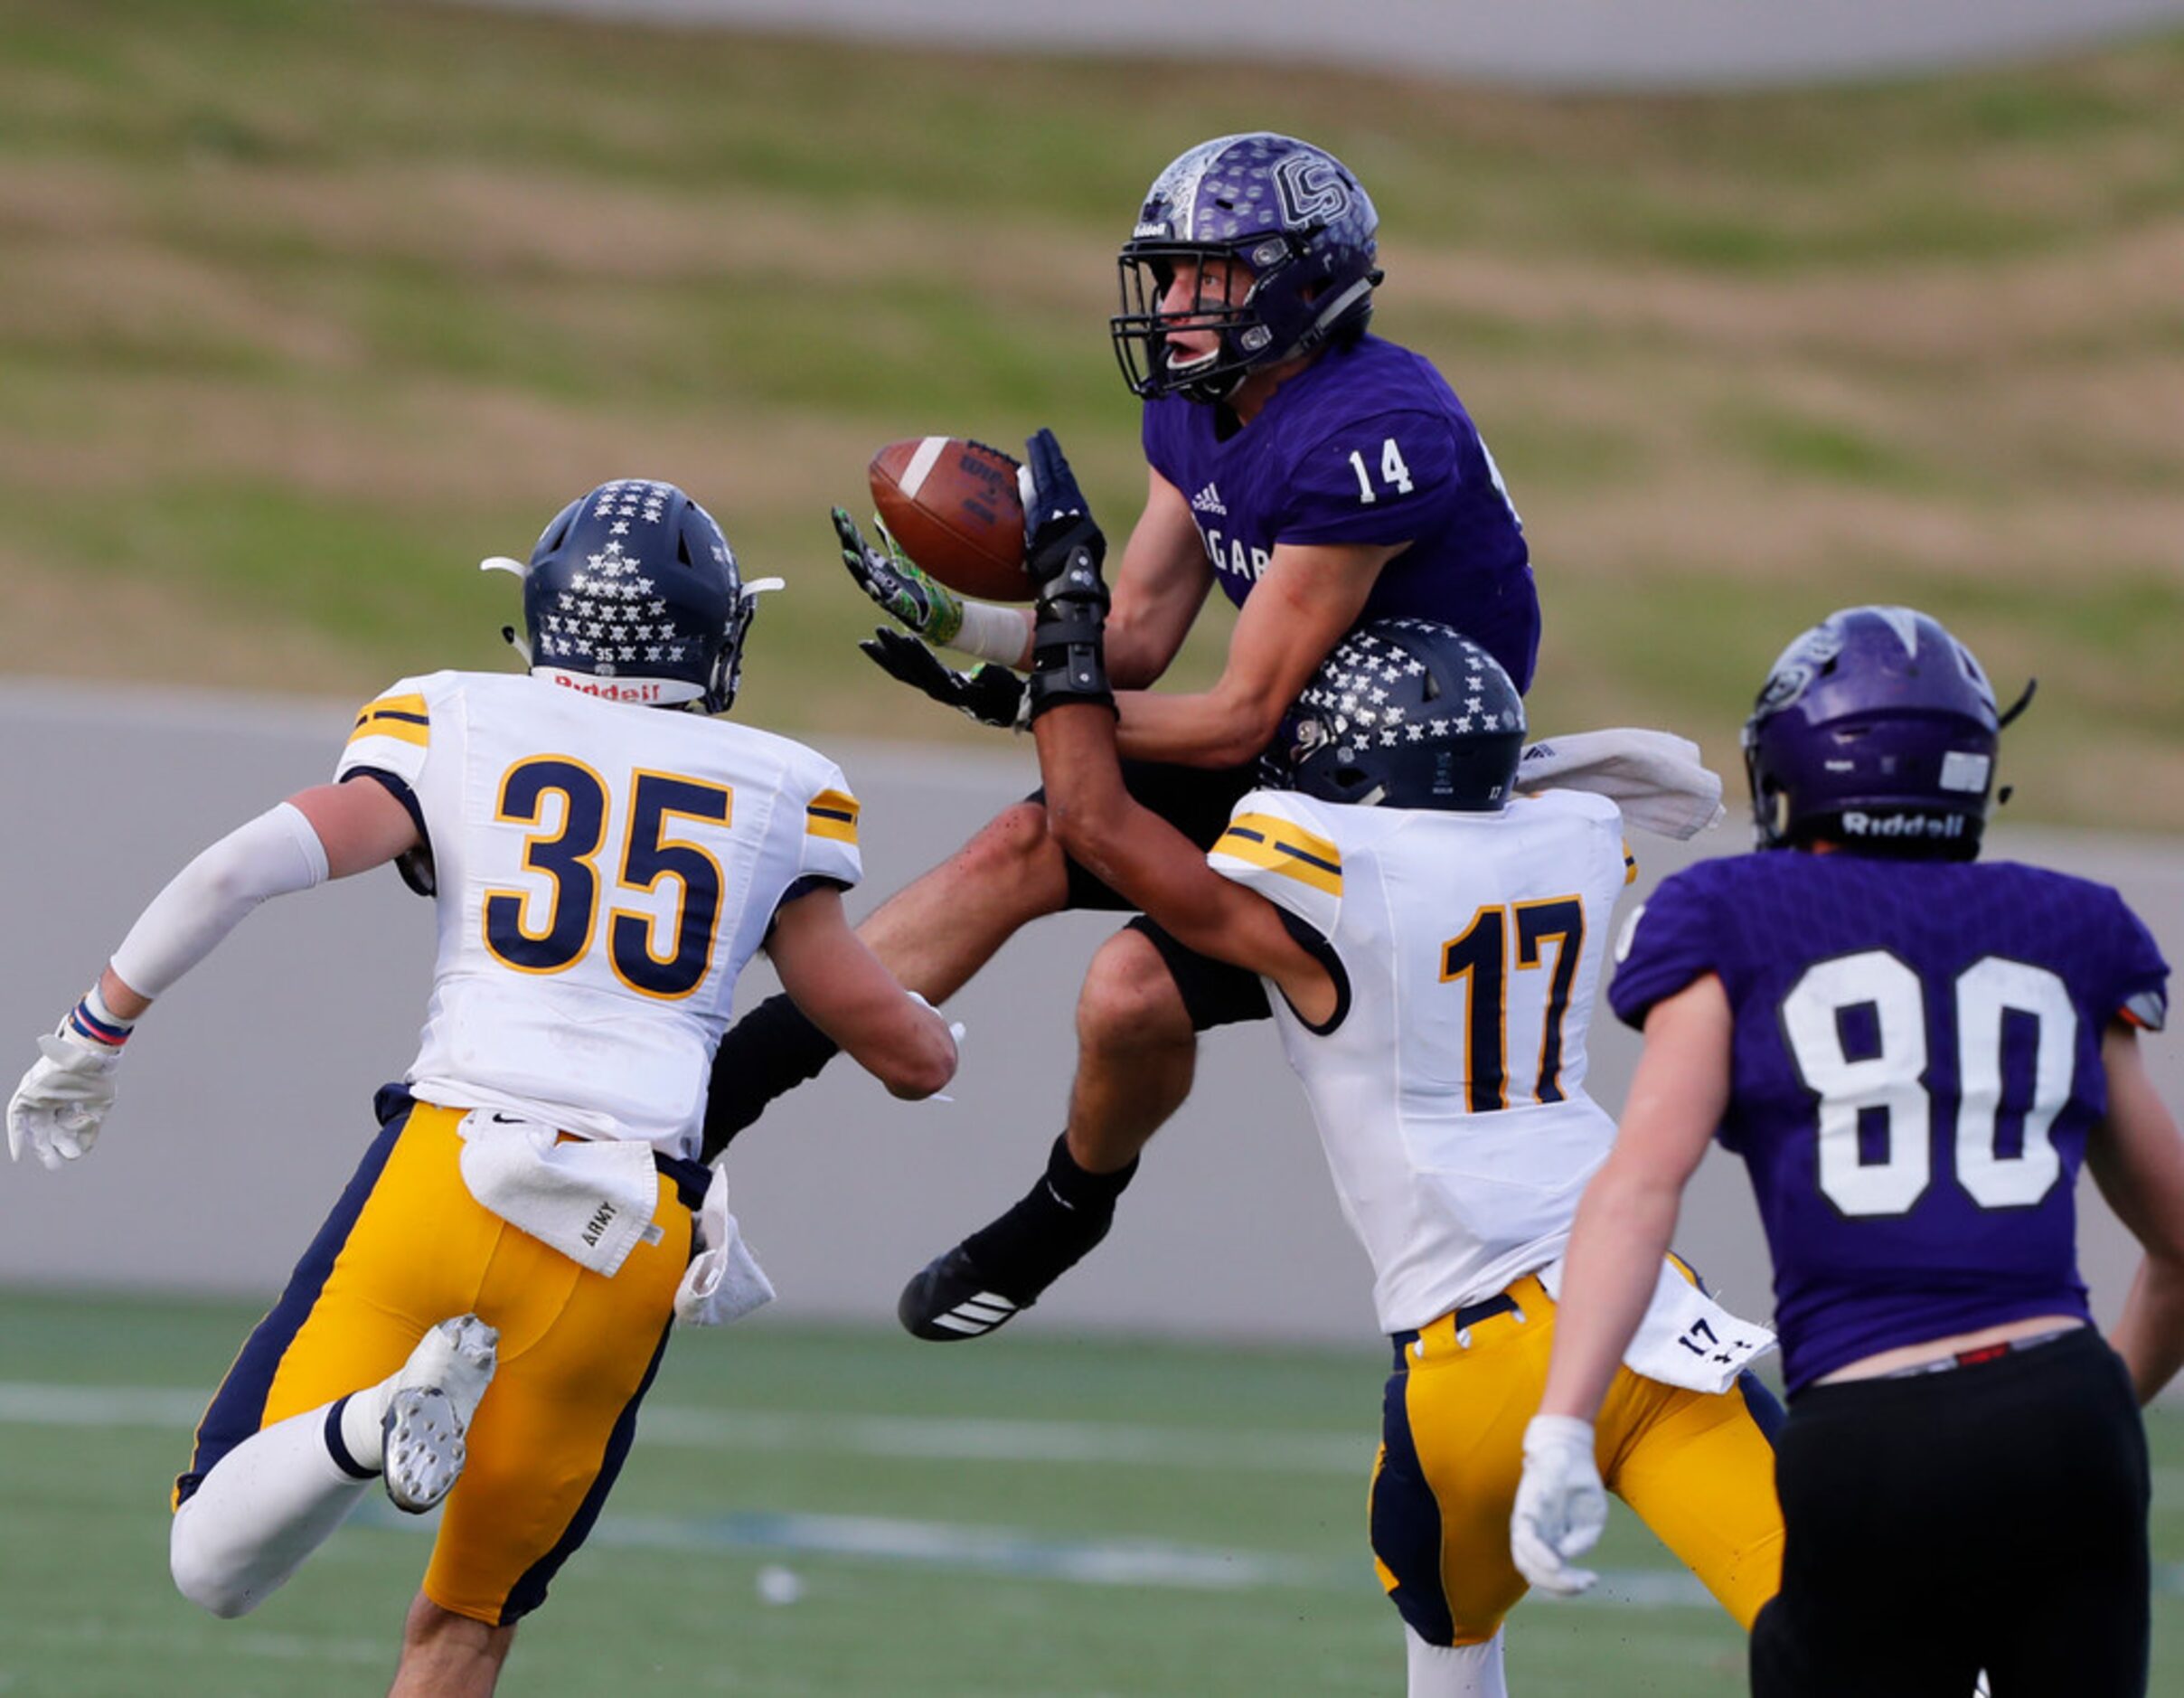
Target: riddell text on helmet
x=613 y=690
x=1857 y=824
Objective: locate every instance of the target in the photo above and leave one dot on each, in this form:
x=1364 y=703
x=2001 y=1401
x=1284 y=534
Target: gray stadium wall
x=245 y=1101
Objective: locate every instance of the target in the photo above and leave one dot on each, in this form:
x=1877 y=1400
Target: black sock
x=768 y=1053
x=1049 y=1229
x=1080 y=1189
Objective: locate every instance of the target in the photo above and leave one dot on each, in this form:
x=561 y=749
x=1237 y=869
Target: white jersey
x=1449 y=1085
x=603 y=872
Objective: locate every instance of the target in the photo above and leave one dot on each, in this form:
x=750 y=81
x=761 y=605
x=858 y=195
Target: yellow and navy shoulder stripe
x=832 y=814
x=1629 y=863
x=1282 y=845
x=404 y=718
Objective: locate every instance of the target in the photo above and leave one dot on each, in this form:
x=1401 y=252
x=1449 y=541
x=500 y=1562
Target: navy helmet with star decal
x=1404 y=713
x=633 y=593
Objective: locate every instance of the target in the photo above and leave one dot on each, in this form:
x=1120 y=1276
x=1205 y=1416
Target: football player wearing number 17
x=1913 y=1051
x=1431 y=943
x=490 y=1296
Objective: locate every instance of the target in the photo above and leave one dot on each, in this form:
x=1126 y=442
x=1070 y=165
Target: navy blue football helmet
x=1404 y=713
x=1291 y=216
x=1877 y=731
x=634 y=590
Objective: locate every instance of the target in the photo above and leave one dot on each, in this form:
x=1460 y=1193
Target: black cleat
x=1008 y=1264
x=949 y=1298
x=1005 y=1265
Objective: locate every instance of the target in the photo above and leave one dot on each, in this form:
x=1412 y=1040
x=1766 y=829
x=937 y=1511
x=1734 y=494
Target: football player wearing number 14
x=485 y=1308
x=1914 y=1053
x=1319 y=476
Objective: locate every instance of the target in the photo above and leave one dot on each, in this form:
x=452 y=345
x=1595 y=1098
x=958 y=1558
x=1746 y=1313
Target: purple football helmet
x=1289 y=215
x=1404 y=713
x=633 y=588
x=1878 y=730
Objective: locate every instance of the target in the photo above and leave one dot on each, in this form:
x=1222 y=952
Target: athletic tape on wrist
x=92 y=1018
x=991 y=633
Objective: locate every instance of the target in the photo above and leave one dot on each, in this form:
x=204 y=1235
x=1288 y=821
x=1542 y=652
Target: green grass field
x=309 y=304
x=1032 y=1518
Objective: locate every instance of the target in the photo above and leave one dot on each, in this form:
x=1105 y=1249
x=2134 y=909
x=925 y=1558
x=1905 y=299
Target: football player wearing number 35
x=1914 y=1053
x=483 y=1308
x=1319 y=476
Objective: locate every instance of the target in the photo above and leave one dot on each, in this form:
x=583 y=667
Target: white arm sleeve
x=271 y=855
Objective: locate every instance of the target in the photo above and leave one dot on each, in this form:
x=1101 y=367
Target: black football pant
x=1990 y=1517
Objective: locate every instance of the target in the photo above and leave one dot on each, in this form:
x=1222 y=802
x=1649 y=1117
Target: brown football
x=953 y=506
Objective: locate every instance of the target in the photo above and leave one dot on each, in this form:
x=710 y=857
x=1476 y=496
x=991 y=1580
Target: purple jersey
x=1916 y=1065
x=1367 y=444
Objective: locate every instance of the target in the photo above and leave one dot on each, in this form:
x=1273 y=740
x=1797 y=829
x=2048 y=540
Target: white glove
x=956 y=1027
x=1561 y=1506
x=57 y=1110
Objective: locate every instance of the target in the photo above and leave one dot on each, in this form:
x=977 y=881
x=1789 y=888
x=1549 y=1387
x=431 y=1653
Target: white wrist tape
x=271 y=855
x=994 y=633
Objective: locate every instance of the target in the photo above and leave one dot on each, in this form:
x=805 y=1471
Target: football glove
x=1058 y=528
x=1561 y=1507
x=893 y=579
x=990 y=694
x=57 y=1110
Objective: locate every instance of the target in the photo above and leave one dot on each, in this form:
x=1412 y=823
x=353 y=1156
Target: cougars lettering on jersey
x=1367 y=444
x=603 y=872
x=1918 y=1064
x=1449 y=1086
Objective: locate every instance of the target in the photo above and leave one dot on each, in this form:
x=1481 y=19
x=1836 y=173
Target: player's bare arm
x=1159 y=586
x=2137 y=1159
x=1309 y=596
x=1623 y=1226
x=1158 y=868
x=843 y=988
x=1621 y=1232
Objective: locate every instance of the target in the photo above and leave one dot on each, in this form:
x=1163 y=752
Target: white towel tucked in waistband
x=1655 y=778
x=591 y=1198
x=1686 y=1338
x=724 y=1282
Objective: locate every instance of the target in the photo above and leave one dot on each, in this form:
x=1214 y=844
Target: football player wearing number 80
x=1914 y=1053
x=603 y=870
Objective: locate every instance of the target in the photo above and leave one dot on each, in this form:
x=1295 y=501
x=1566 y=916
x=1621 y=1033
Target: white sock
x=458 y=1355
x=265 y=1506
x=364 y=1423
x=1456 y=1671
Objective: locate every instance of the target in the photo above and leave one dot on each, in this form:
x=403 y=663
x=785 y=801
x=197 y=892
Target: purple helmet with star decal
x=633 y=593
x=1878 y=730
x=1404 y=713
x=1289 y=215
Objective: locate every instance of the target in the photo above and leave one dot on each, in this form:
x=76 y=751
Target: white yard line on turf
x=943 y=1544
x=929 y=1438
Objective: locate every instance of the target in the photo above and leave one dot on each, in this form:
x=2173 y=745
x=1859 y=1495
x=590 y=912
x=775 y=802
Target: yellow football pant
x=406 y=1247
x=1698 y=1469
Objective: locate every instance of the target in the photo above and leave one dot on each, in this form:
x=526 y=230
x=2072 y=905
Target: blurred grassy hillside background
x=306 y=306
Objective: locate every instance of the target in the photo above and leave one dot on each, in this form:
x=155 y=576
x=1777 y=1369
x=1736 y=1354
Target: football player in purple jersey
x=1319 y=476
x=1914 y=1051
